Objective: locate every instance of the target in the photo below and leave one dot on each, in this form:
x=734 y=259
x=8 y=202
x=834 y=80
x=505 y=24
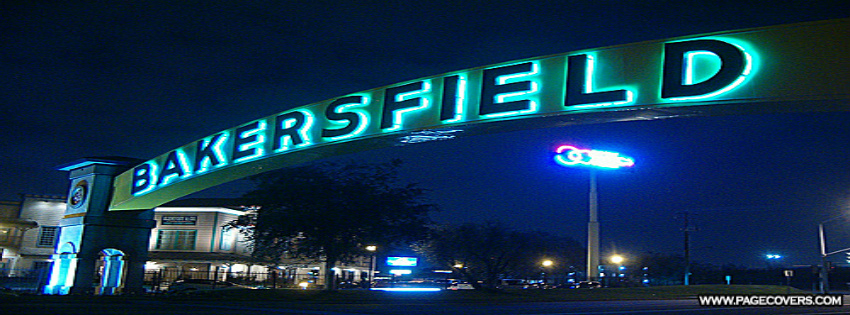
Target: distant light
x=568 y=155
x=407 y=289
x=371 y=248
x=399 y=272
x=547 y=263
x=617 y=259
x=773 y=256
x=304 y=285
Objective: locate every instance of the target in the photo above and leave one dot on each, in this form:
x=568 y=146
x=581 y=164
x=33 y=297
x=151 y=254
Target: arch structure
x=797 y=67
x=790 y=67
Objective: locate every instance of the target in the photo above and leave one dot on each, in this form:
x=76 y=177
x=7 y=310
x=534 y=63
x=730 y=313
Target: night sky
x=141 y=78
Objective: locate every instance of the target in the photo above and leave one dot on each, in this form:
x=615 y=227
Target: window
x=176 y=239
x=41 y=265
x=48 y=236
x=228 y=235
x=5 y=235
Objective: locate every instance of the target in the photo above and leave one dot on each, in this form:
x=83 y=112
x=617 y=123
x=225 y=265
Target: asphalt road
x=686 y=306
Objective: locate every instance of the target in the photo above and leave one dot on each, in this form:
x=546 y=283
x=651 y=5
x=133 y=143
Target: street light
x=371 y=249
x=546 y=264
x=617 y=260
x=568 y=155
x=824 y=273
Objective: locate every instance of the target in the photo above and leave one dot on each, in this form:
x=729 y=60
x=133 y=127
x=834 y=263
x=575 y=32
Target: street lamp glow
x=547 y=263
x=617 y=259
x=372 y=262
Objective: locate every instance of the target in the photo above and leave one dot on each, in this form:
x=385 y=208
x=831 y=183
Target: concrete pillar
x=88 y=228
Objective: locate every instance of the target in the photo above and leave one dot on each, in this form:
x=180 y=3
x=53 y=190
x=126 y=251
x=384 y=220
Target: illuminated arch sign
x=751 y=70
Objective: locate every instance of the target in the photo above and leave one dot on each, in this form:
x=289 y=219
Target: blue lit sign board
x=745 y=67
x=402 y=261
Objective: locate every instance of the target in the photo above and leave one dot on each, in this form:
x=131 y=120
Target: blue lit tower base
x=99 y=251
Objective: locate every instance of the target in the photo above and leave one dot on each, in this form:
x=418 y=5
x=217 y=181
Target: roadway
x=141 y=306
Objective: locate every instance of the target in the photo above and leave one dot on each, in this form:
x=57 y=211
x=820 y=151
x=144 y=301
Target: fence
x=160 y=280
x=24 y=280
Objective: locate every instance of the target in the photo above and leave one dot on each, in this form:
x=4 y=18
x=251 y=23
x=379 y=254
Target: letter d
x=733 y=65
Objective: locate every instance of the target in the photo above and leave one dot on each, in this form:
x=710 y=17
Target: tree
x=485 y=253
x=662 y=269
x=331 y=211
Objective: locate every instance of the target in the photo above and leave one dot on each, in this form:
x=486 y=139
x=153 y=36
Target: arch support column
x=88 y=228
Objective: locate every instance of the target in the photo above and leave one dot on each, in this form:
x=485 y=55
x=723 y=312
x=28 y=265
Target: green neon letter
x=403 y=99
x=176 y=165
x=250 y=141
x=210 y=153
x=144 y=178
x=735 y=65
x=356 y=120
x=580 y=85
x=454 y=93
x=495 y=88
x=291 y=130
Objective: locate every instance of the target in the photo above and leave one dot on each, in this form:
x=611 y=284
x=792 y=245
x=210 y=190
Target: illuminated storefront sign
x=402 y=261
x=736 y=67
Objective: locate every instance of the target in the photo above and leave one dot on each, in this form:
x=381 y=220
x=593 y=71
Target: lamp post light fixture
x=371 y=249
x=567 y=155
x=546 y=264
x=824 y=272
x=617 y=260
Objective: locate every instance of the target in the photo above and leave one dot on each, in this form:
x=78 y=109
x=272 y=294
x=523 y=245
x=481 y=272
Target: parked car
x=588 y=285
x=201 y=284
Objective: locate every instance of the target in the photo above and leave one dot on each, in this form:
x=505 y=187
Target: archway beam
x=800 y=67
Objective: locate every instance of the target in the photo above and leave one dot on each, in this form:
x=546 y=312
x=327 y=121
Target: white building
x=190 y=240
x=28 y=232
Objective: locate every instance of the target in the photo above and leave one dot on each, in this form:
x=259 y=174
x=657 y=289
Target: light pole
x=617 y=260
x=824 y=272
x=371 y=249
x=546 y=264
x=568 y=155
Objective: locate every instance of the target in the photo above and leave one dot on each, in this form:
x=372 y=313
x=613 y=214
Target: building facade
x=191 y=239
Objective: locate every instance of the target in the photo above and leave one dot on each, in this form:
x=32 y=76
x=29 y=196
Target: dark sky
x=140 y=78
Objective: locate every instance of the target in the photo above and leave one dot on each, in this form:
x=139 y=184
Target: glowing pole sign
x=571 y=156
x=568 y=155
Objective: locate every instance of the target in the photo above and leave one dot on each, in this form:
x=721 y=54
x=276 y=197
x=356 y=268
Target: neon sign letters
x=557 y=85
x=568 y=155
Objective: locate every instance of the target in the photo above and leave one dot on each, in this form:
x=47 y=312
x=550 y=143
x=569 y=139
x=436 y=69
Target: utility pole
x=687 y=229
